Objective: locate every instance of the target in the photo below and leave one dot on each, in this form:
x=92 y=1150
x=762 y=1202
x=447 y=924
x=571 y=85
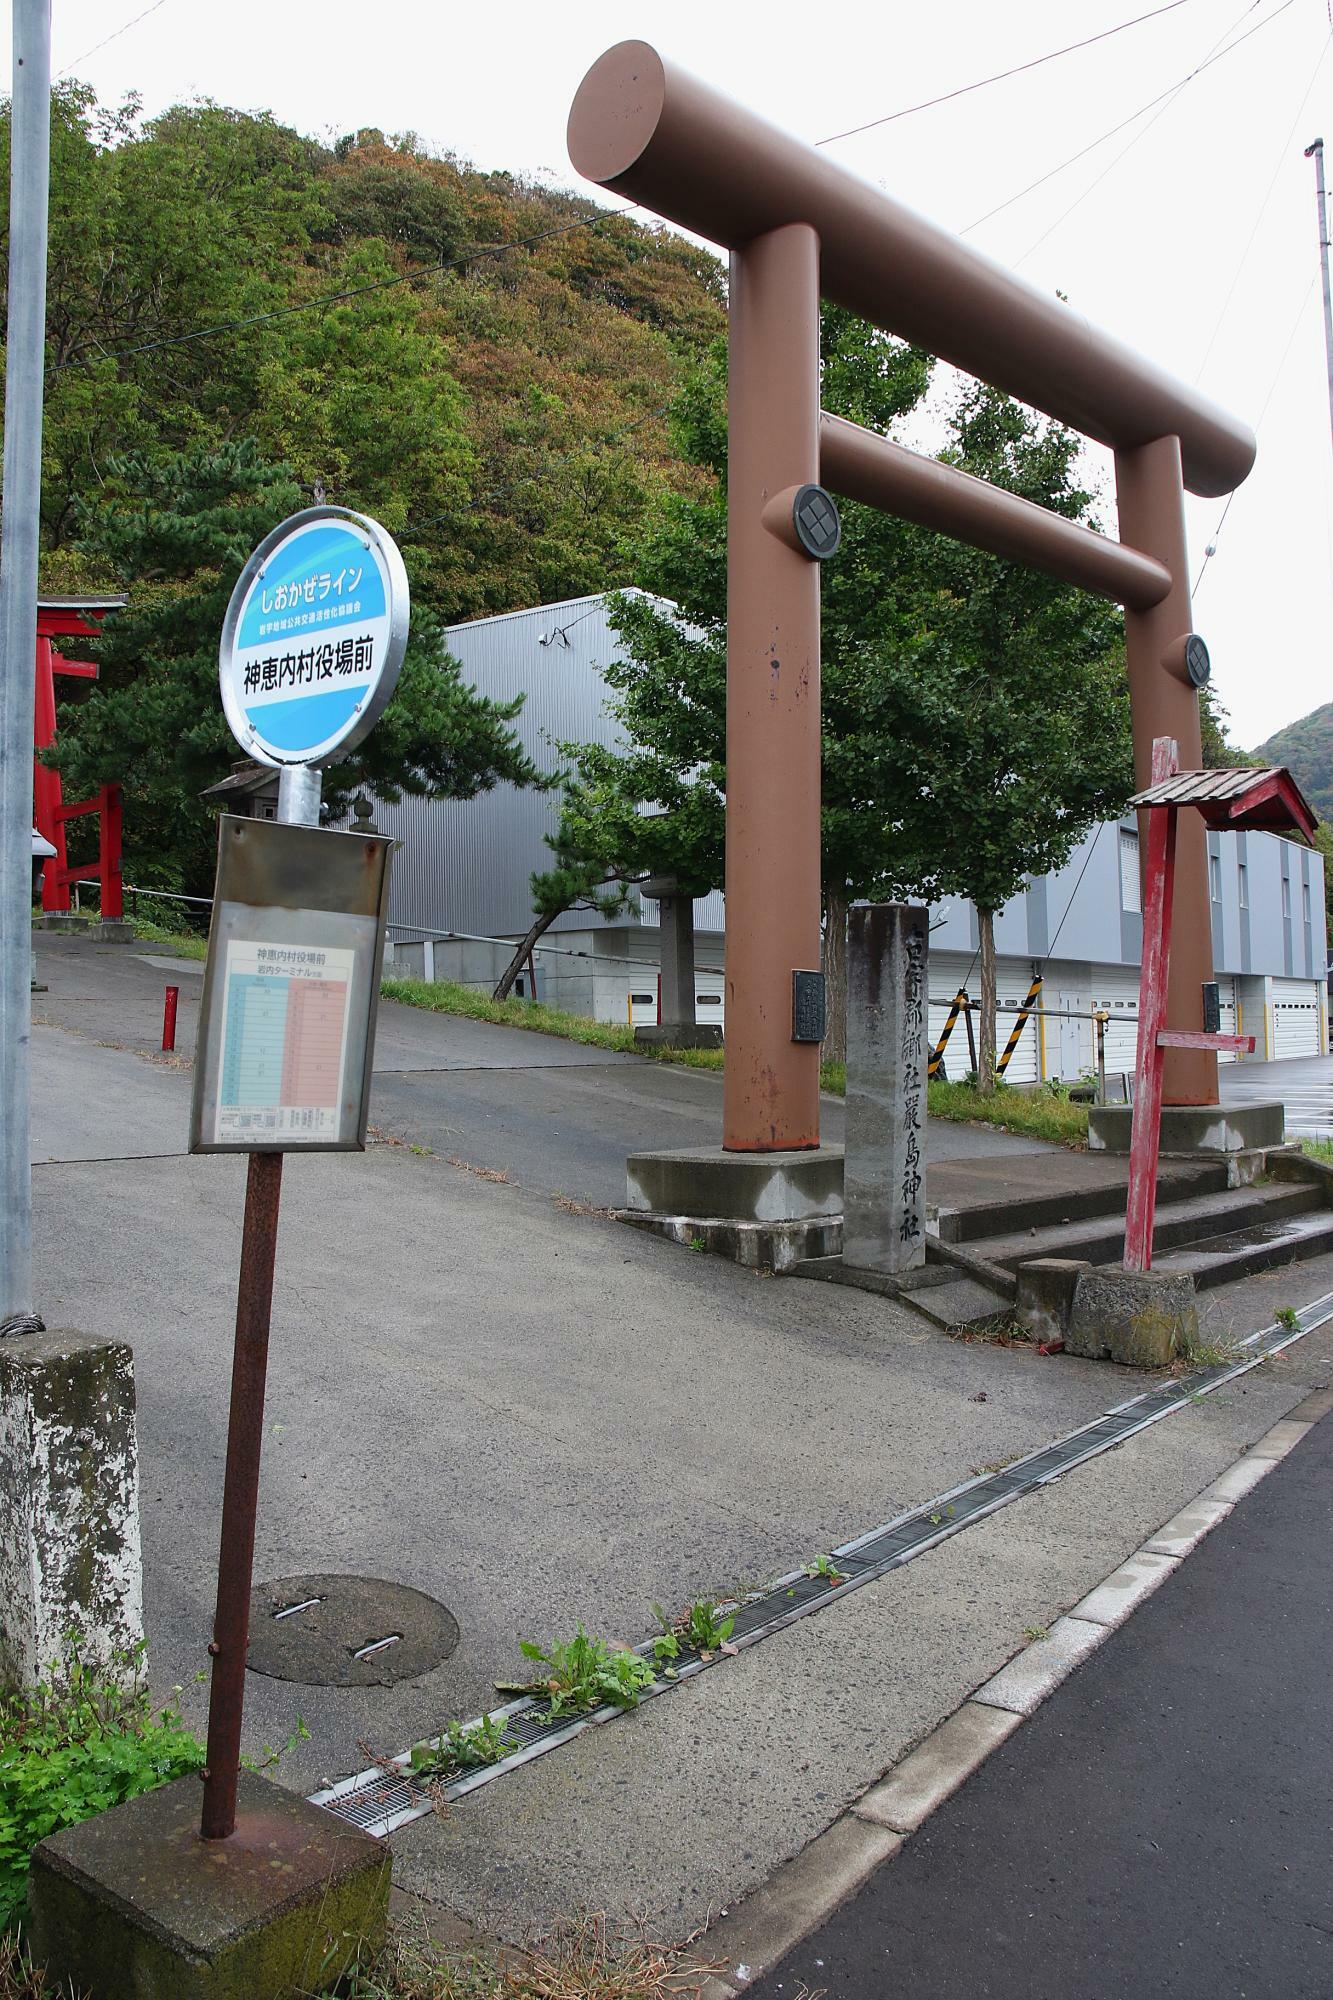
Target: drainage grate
x=378 y=1801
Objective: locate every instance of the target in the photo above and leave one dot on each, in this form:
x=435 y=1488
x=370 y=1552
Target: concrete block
x=745 y=1187
x=1192 y=1129
x=111 y=930
x=1140 y=1318
x=937 y=1767
x=1239 y=1479
x=1185 y=1530
x=69 y=1494
x=1038 y=1670
x=1316 y=1405
x=681 y=1035
x=797 y=1897
x=1045 y=1296
x=759 y=1246
x=135 y=1903
x=1279 y=1441
x=1125 y=1588
x=63 y=922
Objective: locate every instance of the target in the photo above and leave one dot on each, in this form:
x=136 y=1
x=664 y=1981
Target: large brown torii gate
x=797 y=225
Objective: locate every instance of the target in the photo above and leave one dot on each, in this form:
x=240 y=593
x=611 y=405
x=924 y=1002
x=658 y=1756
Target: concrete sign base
x=134 y=1902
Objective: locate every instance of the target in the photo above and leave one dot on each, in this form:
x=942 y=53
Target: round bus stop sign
x=313 y=638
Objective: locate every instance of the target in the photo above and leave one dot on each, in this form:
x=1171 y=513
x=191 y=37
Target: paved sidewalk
x=1163 y=1825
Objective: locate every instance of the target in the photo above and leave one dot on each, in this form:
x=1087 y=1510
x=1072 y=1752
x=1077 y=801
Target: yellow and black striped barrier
x=937 y=1053
x=1024 y=1013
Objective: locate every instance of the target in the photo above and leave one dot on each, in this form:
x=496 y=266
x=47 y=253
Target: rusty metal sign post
x=311 y=648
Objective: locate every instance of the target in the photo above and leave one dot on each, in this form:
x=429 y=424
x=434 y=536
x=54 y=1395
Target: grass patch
x=1036 y=1115
x=20 y=1979
x=1318 y=1149
x=587 y=1958
x=179 y=944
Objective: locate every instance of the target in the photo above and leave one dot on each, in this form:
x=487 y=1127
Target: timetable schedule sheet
x=284 y=1041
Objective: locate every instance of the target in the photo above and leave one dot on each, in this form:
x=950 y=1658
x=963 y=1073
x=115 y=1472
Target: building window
x=1305 y=901
x=1243 y=876
x=643 y=999
x=1286 y=897
x=1215 y=876
x=1130 y=897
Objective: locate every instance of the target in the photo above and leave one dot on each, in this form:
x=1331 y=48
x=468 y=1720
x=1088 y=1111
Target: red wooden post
x=1146 y=1130
x=46 y=793
x=172 y=996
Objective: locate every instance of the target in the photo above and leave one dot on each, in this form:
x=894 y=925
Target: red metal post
x=1146 y=1129
x=173 y=994
x=240 y=1494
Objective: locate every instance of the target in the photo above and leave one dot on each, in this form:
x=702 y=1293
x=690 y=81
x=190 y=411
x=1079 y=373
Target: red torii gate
x=62 y=618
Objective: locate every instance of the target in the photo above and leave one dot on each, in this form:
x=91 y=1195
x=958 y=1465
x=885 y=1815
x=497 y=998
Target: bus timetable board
x=286 y=1027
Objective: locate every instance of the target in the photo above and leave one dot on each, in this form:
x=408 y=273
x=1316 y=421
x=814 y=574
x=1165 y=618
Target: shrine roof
x=1242 y=797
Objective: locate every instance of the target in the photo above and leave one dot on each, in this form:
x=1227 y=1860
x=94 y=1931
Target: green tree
x=1016 y=702
x=176 y=530
x=656 y=806
x=974 y=714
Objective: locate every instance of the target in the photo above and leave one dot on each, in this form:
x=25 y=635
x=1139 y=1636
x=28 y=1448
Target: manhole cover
x=347 y=1631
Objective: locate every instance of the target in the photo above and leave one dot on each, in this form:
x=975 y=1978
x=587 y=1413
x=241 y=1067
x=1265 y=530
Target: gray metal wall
x=1081 y=914
x=464 y=865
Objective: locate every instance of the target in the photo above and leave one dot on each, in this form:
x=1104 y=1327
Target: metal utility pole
x=1315 y=150
x=29 y=178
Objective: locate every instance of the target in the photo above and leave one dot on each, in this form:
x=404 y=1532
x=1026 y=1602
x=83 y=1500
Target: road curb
x=801 y=1894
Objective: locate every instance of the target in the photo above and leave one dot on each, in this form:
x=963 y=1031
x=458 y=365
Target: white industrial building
x=461 y=898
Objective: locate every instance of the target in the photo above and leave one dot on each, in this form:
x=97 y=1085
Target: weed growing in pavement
x=461 y=1747
x=1204 y=1354
x=826 y=1567
x=1289 y=1317
x=699 y=1243
x=581 y=1674
x=85 y=1739
x=705 y=1624
x=1034 y=1632
x=585 y=1958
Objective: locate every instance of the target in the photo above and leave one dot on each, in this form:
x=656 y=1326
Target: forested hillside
x=1306 y=747
x=486 y=379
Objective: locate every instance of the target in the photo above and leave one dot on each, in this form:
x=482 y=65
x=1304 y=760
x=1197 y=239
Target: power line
x=1129 y=145
x=1152 y=103
x=478 y=250
x=1263 y=206
x=113 y=36
x=1001 y=76
x=1211 y=549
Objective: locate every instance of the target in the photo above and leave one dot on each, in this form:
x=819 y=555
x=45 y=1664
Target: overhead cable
x=1000 y=76
x=1161 y=97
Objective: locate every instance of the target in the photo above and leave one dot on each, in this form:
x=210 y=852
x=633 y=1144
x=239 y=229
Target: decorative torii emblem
x=1245 y=798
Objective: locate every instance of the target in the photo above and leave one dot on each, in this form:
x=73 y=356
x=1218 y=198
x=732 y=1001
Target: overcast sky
x=1191 y=233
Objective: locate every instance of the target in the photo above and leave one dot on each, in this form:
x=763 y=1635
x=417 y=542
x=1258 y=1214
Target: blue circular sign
x=313 y=638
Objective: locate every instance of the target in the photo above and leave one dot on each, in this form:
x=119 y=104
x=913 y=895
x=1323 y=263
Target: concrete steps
x=1228 y=1213
x=1215 y=1233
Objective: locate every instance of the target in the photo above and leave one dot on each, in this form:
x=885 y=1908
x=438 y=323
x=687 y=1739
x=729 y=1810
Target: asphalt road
x=1162 y=1826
